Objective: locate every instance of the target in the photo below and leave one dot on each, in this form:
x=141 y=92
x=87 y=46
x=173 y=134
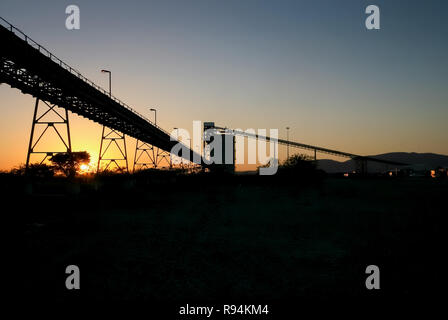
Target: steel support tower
x=145 y=156
x=116 y=139
x=44 y=119
x=162 y=157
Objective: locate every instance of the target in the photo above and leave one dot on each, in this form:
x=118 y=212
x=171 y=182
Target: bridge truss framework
x=39 y=120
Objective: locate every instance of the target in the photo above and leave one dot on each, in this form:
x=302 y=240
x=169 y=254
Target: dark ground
x=191 y=239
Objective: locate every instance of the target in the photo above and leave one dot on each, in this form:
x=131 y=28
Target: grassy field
x=190 y=239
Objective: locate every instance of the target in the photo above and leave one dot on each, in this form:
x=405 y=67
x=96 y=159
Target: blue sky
x=309 y=65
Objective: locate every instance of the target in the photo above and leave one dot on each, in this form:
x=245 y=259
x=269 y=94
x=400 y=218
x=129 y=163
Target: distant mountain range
x=416 y=161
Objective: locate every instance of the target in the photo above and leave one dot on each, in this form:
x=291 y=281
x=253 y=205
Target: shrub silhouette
x=39 y=170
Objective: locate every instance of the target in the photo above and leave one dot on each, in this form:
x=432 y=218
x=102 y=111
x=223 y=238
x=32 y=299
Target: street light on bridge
x=113 y=138
x=287 y=146
x=155 y=115
x=189 y=139
x=110 y=80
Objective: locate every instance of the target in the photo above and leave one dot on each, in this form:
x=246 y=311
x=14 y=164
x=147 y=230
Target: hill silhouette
x=416 y=161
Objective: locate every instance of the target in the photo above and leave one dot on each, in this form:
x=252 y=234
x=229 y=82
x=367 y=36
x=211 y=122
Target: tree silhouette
x=69 y=163
x=298 y=165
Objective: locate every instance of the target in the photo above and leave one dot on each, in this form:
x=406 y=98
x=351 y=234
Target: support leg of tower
x=44 y=120
x=113 y=150
x=144 y=157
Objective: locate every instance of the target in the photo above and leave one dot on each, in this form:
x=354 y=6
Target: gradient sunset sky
x=309 y=65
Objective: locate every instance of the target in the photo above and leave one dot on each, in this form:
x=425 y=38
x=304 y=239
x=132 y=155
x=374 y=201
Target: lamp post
x=155 y=115
x=177 y=136
x=156 y=154
x=110 y=80
x=287 y=146
x=106 y=137
x=189 y=139
x=102 y=134
x=189 y=145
